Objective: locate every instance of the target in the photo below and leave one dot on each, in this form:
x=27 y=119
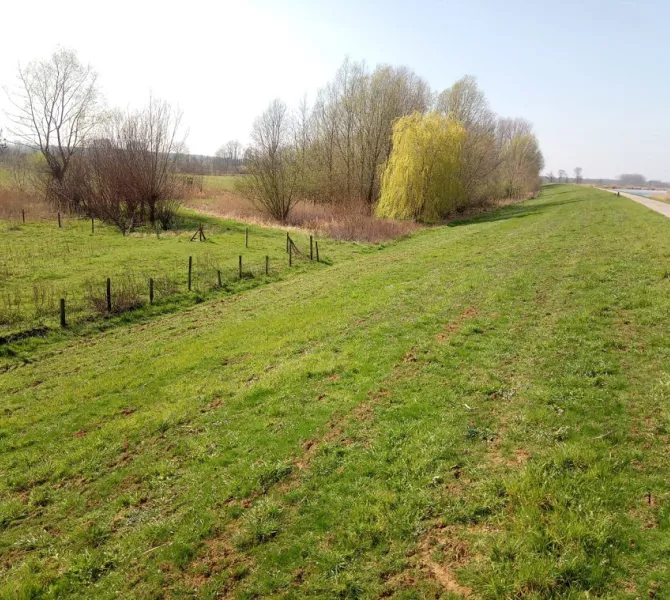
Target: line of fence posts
x=313 y=245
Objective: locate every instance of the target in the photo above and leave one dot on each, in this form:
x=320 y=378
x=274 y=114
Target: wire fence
x=50 y=304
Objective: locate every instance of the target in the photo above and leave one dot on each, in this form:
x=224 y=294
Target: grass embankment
x=40 y=263
x=479 y=408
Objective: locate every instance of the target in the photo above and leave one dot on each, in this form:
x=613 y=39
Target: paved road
x=659 y=207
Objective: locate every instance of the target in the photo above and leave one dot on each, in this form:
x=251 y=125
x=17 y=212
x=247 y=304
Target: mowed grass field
x=479 y=410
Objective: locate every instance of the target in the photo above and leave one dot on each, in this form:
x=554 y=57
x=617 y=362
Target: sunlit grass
x=482 y=406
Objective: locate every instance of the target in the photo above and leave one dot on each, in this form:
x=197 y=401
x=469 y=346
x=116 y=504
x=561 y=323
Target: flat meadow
x=476 y=410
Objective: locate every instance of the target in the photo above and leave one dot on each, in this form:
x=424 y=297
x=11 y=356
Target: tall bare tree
x=467 y=104
x=230 y=154
x=56 y=107
x=521 y=160
x=273 y=170
x=578 y=174
x=562 y=176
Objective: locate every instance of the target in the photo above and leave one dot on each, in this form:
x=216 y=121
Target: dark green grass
x=487 y=401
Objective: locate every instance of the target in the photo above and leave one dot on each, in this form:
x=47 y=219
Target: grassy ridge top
x=480 y=408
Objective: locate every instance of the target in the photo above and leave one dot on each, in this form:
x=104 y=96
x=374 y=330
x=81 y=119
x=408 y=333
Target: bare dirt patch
x=440 y=554
x=453 y=327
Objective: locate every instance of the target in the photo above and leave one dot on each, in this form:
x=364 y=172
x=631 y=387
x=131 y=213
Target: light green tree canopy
x=421 y=180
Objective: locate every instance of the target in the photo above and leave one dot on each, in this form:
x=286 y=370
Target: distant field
x=5 y=177
x=211 y=182
x=479 y=410
x=39 y=263
x=222 y=182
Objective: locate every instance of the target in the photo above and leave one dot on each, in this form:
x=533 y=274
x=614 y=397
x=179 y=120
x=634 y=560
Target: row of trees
x=365 y=136
x=563 y=176
x=119 y=167
x=364 y=125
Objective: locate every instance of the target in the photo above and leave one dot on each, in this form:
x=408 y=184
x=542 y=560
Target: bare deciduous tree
x=56 y=108
x=562 y=176
x=273 y=170
x=129 y=173
x=467 y=104
x=230 y=154
x=578 y=174
x=520 y=156
x=3 y=144
x=550 y=177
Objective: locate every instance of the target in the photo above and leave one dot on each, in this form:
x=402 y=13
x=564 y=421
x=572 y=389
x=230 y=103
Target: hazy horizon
x=573 y=71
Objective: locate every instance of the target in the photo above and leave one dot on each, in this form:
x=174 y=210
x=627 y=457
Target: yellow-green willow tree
x=421 y=180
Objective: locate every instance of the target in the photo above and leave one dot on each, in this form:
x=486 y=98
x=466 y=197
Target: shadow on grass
x=516 y=211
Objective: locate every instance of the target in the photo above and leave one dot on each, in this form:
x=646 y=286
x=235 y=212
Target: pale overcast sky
x=590 y=74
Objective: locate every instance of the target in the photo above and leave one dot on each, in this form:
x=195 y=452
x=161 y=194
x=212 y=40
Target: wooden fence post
x=109 y=295
x=287 y=242
x=151 y=290
x=246 y=237
x=59 y=224
x=311 y=248
x=23 y=215
x=63 y=324
x=240 y=266
x=317 y=251
x=290 y=255
x=190 y=269
x=267 y=264
x=92 y=224
x=218 y=277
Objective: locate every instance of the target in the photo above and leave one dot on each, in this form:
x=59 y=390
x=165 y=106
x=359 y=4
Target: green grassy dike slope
x=479 y=410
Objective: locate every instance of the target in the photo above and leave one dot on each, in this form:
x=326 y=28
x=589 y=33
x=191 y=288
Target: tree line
x=383 y=139
x=123 y=167
x=380 y=139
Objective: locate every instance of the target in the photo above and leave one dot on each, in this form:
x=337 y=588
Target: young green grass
x=221 y=182
x=40 y=263
x=478 y=410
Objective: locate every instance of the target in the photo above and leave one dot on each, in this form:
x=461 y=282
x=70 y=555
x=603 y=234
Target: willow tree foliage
x=422 y=177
